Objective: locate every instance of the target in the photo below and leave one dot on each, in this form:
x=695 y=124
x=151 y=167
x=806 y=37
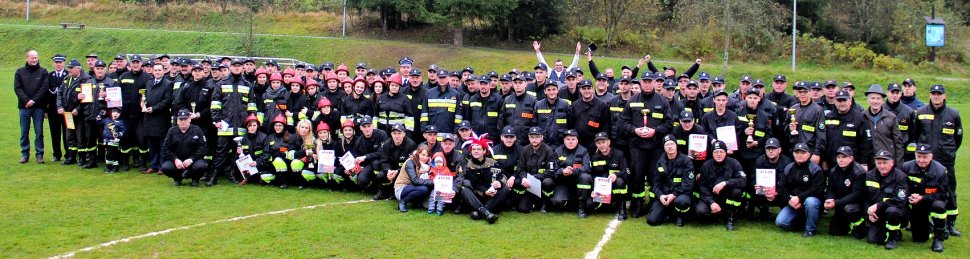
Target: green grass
x=50 y=209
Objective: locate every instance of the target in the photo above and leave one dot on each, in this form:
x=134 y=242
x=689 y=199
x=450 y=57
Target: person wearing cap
x=518 y=111
x=886 y=201
x=417 y=94
x=672 y=187
x=687 y=126
x=69 y=101
x=929 y=192
x=571 y=91
x=483 y=109
x=90 y=59
x=805 y=121
x=133 y=84
x=120 y=64
x=505 y=85
x=454 y=156
x=559 y=71
x=778 y=95
x=772 y=159
x=608 y=163
x=883 y=128
x=367 y=149
x=431 y=138
x=541 y=76
x=469 y=87
x=55 y=122
x=909 y=95
x=737 y=97
x=721 y=185
x=31 y=87
x=195 y=96
x=831 y=90
x=92 y=112
x=756 y=118
x=646 y=118
x=230 y=107
x=157 y=105
x=573 y=161
x=845 y=127
x=815 y=88
x=539 y=160
x=182 y=151
x=393 y=107
x=690 y=98
x=590 y=115
x=850 y=88
x=112 y=128
x=441 y=106
x=552 y=114
x=616 y=105
x=703 y=84
x=253 y=145
x=394 y=152
x=670 y=93
x=506 y=153
x=940 y=127
x=404 y=66
x=799 y=189
x=845 y=195
x=480 y=181
x=905 y=119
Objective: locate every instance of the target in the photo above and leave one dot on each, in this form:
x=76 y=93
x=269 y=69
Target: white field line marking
x=166 y=231
x=608 y=233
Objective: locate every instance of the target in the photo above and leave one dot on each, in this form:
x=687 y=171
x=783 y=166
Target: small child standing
x=439 y=166
x=112 y=130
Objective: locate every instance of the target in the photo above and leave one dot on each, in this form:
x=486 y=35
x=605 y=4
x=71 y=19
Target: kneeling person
x=673 y=185
x=799 y=187
x=182 y=151
x=606 y=162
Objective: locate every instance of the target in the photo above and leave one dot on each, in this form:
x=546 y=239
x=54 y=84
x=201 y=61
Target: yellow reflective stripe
x=903 y=127
x=926 y=116
x=475 y=104
x=872 y=184
x=599 y=163
x=732 y=202
x=562 y=158
x=127 y=81
x=614 y=171
x=832 y=122
x=560 y=121
x=681 y=142
x=808 y=128
x=658 y=115
x=500 y=157
x=743 y=118
x=492 y=114
x=892 y=227
x=616 y=109
x=953 y=212
x=915 y=179
x=584 y=186
x=948 y=131
x=660 y=169
x=938 y=215
x=849 y=133
x=759 y=133
x=677 y=180
x=544 y=111
x=706 y=110
x=911 y=148
x=636 y=105
x=510 y=105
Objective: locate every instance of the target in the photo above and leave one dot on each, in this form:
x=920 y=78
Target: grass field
x=50 y=209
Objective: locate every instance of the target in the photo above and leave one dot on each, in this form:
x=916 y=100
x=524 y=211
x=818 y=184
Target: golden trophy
x=144 y=100
x=751 y=118
x=193 y=106
x=791 y=113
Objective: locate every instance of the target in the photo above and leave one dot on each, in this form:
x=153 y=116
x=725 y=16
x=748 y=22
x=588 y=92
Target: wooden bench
x=66 y=25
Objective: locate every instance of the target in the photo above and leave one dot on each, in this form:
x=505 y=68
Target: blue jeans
x=37 y=116
x=413 y=193
x=810 y=207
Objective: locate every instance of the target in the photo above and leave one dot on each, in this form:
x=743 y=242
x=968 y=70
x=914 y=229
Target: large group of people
x=670 y=147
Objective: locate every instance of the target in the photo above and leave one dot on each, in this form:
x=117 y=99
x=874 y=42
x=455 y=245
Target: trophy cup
x=646 y=113
x=144 y=101
x=791 y=113
x=751 y=118
x=193 y=106
x=238 y=141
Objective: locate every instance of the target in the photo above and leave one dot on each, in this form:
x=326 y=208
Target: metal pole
x=727 y=32
x=344 y=33
x=28 y=10
x=794 y=15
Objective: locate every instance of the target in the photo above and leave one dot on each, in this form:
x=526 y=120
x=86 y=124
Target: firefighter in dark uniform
x=844 y=126
x=483 y=109
x=590 y=115
x=572 y=161
x=196 y=97
x=905 y=119
x=672 y=186
x=721 y=183
x=393 y=107
x=940 y=127
x=183 y=149
x=507 y=155
x=252 y=144
x=481 y=182
x=799 y=189
x=536 y=159
x=606 y=162
x=928 y=192
x=440 y=107
x=620 y=140
x=806 y=121
x=845 y=195
x=774 y=159
x=688 y=126
x=518 y=111
x=756 y=118
x=55 y=122
x=417 y=95
x=92 y=113
x=395 y=151
x=886 y=199
x=133 y=84
x=367 y=148
x=552 y=114
x=230 y=107
x=646 y=119
x=69 y=102
x=722 y=116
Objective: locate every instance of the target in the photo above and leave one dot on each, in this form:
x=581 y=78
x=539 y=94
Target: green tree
x=455 y=13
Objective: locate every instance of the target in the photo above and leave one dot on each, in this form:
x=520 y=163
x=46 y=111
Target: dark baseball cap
x=430 y=129
x=924 y=149
x=398 y=127
x=541 y=66
x=800 y=85
x=781 y=78
x=909 y=81
x=100 y=63
x=646 y=76
x=442 y=73
x=415 y=72
x=831 y=83
x=686 y=116
x=535 y=131
x=883 y=154
x=894 y=87
x=464 y=125
x=842 y=95
x=448 y=136
x=937 y=89
x=845 y=150
x=718 y=80
x=670 y=84
x=585 y=83
x=746 y=78
x=704 y=76
x=801 y=147
x=815 y=85
x=772 y=143
x=74 y=63
x=601 y=136
x=570 y=132
x=505 y=77
x=183 y=114
x=691 y=83
x=508 y=131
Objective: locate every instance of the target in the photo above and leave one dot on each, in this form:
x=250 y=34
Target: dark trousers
x=642 y=168
x=846 y=219
x=35 y=116
x=729 y=200
x=55 y=123
x=475 y=201
x=154 y=152
x=924 y=212
x=659 y=213
x=195 y=171
x=890 y=219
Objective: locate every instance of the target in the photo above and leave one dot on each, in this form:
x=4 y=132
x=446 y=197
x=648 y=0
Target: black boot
x=893 y=241
x=142 y=162
x=937 y=245
x=950 y=227
x=178 y=182
x=70 y=158
x=195 y=182
x=381 y=195
x=82 y=159
x=730 y=222
x=680 y=221
x=123 y=162
x=212 y=175
x=635 y=206
x=91 y=162
x=621 y=214
x=581 y=213
x=488 y=215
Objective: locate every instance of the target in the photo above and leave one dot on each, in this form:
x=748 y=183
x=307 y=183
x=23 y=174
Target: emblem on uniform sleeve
x=195 y=137
x=690 y=175
x=901 y=194
x=742 y=174
x=847 y=182
x=805 y=178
